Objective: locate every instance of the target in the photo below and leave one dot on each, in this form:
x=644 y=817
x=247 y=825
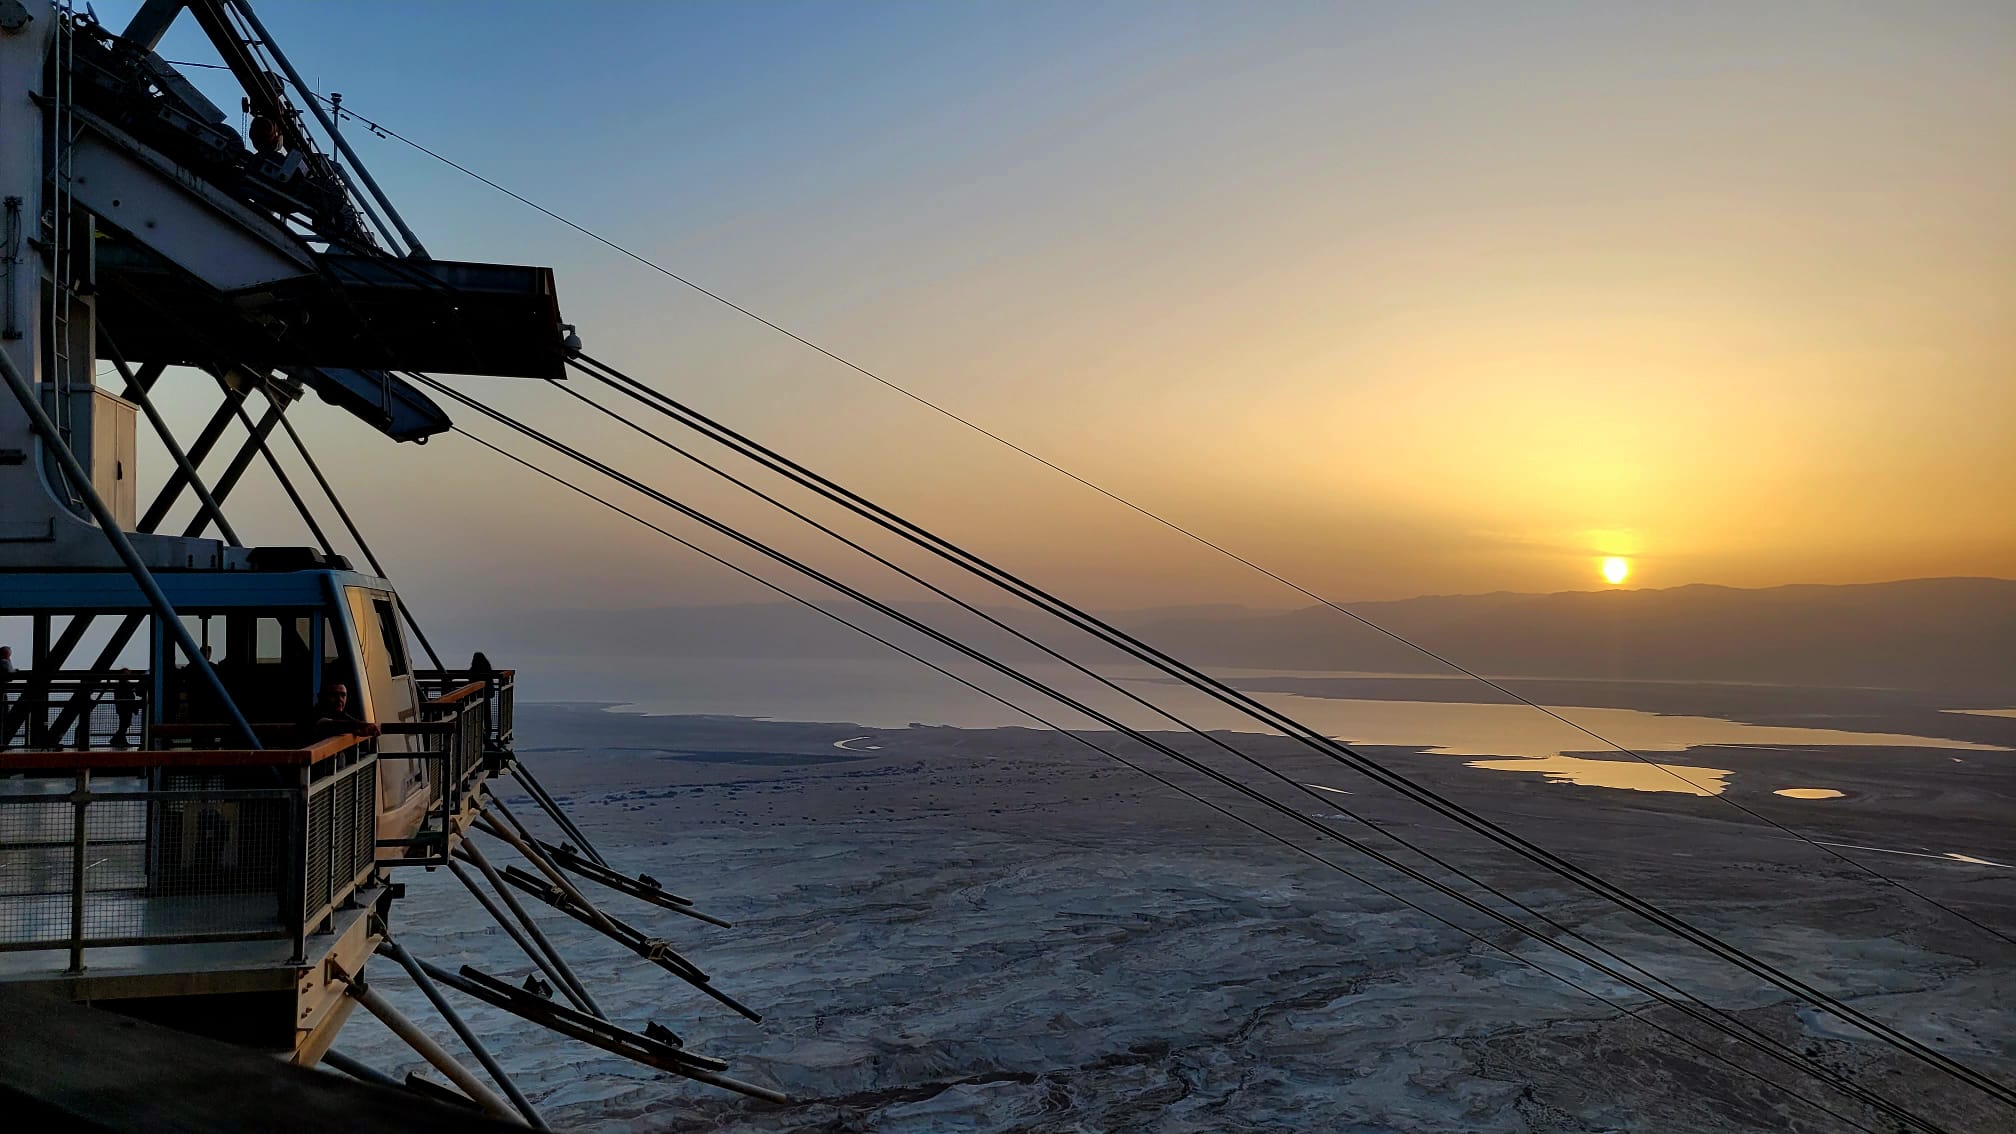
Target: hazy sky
x=1395 y=298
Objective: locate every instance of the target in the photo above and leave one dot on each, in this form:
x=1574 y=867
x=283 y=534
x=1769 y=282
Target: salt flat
x=996 y=929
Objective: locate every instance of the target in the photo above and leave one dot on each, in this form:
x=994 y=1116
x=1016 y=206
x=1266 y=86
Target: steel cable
x=1158 y=778
x=1323 y=745
x=1771 y=1048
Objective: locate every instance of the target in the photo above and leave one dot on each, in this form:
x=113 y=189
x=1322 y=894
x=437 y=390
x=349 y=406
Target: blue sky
x=1398 y=298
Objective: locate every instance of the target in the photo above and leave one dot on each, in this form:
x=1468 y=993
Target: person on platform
x=127 y=701
x=331 y=716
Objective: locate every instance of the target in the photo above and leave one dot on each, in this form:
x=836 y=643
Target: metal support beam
x=151 y=22
x=522 y=841
x=654 y=949
x=145 y=378
x=260 y=88
x=513 y=932
x=80 y=701
x=286 y=482
x=158 y=512
x=424 y=1044
x=80 y=821
x=433 y=993
x=551 y=807
x=638 y=888
x=239 y=463
x=356 y=536
x=38 y=663
x=36 y=685
x=471 y=853
x=109 y=525
x=136 y=391
x=600 y=1033
x=171 y=491
x=359 y=1070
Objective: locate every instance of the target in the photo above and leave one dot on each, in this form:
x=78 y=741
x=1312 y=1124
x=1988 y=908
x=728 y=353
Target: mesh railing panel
x=501 y=692
x=220 y=866
x=321 y=871
x=363 y=823
x=342 y=835
x=201 y=853
x=35 y=868
x=343 y=805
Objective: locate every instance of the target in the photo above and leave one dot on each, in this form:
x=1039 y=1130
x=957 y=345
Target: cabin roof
x=28 y=592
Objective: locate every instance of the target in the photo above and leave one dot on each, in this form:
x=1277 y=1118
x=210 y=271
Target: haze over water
x=896 y=694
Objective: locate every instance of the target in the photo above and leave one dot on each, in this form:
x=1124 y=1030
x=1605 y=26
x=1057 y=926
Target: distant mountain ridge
x=1950 y=635
x=1956 y=634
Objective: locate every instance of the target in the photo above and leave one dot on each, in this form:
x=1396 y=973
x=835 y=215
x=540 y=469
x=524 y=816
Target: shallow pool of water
x=1624 y=773
x=1503 y=737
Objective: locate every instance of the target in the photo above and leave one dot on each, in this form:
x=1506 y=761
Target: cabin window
x=388 y=632
x=264 y=658
x=266 y=643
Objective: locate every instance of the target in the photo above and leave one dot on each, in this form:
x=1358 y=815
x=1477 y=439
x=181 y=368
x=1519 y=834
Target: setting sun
x=1616 y=568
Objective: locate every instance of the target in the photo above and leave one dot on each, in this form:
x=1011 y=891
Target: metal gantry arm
x=414 y=248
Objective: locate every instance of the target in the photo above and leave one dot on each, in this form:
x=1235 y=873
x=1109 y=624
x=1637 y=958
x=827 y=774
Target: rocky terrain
x=982 y=930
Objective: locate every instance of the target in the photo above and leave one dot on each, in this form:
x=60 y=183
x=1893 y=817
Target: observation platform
x=219 y=889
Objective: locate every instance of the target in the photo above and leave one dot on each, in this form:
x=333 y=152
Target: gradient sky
x=1395 y=298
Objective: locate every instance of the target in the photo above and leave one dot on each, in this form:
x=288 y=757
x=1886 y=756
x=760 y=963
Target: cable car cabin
x=150 y=855
x=285 y=659
x=280 y=641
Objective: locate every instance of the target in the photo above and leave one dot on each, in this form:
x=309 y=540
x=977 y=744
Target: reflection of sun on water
x=1809 y=793
x=1616 y=569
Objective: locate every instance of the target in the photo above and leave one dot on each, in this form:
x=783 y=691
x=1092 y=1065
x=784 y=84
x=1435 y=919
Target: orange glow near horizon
x=1391 y=300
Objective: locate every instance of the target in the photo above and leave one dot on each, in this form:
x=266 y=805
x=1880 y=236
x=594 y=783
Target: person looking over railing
x=331 y=716
x=126 y=702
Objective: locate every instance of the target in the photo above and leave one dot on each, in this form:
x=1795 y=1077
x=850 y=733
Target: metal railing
x=501 y=684
x=458 y=734
x=342 y=838
x=74 y=709
x=467 y=710
x=138 y=848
